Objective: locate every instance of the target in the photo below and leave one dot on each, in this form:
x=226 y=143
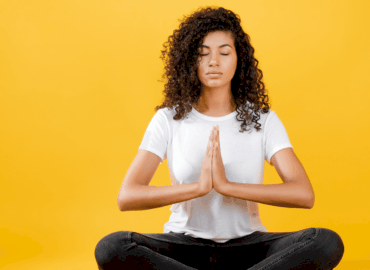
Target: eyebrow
x=223 y=45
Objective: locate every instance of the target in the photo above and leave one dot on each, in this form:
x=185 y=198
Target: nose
x=213 y=61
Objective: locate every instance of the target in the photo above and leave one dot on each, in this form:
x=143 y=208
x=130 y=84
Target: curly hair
x=183 y=87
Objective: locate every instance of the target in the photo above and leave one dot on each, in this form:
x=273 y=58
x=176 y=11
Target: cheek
x=200 y=71
x=233 y=65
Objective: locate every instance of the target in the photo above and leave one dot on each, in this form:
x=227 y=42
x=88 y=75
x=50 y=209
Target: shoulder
x=272 y=123
x=267 y=118
x=166 y=114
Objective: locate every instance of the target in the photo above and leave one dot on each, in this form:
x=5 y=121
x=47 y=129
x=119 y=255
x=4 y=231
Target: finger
x=215 y=137
x=210 y=136
x=218 y=136
x=211 y=140
x=213 y=151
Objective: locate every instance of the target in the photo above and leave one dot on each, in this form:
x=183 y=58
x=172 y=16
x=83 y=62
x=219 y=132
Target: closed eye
x=208 y=53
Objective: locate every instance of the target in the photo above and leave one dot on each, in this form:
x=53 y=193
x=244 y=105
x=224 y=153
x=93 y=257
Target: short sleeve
x=276 y=137
x=156 y=135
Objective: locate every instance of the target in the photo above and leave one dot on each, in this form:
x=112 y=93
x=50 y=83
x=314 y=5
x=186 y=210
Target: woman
x=214 y=82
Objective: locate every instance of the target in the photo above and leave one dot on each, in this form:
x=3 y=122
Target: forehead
x=215 y=39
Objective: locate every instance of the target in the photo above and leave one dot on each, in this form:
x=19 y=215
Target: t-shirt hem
x=169 y=229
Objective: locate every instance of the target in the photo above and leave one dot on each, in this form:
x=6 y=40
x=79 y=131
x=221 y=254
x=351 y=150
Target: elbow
x=309 y=205
x=122 y=199
x=307 y=198
x=121 y=205
x=311 y=202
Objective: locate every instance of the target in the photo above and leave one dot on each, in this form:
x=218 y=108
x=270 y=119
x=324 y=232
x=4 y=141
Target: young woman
x=216 y=169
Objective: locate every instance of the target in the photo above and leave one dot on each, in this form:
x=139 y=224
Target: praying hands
x=213 y=170
x=218 y=169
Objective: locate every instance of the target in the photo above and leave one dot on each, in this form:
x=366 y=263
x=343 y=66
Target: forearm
x=140 y=197
x=287 y=194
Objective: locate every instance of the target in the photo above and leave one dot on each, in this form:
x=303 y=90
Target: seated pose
x=213 y=95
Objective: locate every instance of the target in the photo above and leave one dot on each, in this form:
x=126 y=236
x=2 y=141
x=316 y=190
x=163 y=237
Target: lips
x=214 y=73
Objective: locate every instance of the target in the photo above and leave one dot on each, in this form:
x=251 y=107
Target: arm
x=136 y=194
x=141 y=197
x=295 y=192
x=284 y=195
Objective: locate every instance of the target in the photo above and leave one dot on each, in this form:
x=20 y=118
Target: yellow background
x=78 y=87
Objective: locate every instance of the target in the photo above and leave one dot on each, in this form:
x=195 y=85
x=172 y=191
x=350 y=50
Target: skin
x=216 y=98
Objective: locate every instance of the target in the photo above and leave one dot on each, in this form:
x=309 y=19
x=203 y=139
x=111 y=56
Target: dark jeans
x=312 y=248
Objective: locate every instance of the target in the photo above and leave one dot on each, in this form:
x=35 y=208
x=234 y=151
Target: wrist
x=202 y=190
x=222 y=189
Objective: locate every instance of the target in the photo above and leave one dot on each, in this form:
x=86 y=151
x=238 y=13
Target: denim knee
x=331 y=244
x=306 y=234
x=112 y=246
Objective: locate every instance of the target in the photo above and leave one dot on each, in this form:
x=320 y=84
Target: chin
x=215 y=84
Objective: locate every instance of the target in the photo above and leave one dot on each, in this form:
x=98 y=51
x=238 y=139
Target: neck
x=215 y=100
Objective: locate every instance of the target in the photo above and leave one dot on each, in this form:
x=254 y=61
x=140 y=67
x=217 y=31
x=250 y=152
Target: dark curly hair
x=184 y=88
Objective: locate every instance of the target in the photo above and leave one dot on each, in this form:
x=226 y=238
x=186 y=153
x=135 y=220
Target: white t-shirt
x=184 y=142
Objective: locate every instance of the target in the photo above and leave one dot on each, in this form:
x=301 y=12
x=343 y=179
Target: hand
x=218 y=170
x=205 y=181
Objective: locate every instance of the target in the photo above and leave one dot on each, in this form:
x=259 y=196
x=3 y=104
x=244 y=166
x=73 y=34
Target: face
x=218 y=54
